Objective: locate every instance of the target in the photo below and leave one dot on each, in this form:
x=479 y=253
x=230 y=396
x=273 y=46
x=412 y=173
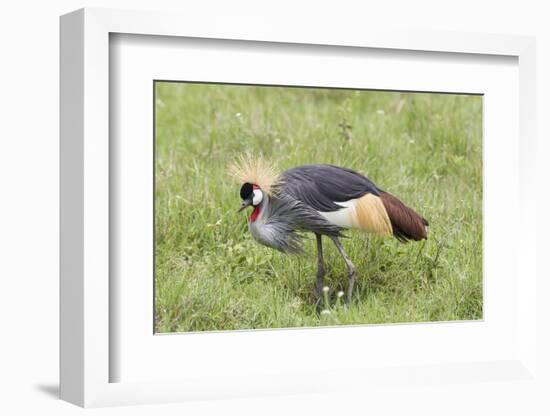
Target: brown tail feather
x=406 y=224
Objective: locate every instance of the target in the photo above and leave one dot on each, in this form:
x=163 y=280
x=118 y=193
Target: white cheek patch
x=257 y=198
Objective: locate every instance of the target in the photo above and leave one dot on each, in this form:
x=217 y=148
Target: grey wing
x=287 y=220
x=322 y=186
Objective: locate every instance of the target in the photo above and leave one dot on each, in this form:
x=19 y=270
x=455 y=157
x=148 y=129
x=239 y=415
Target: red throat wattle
x=255 y=213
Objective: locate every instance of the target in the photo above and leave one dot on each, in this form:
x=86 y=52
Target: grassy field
x=424 y=148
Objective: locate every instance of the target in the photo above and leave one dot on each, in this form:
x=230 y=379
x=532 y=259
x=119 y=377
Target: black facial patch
x=246 y=190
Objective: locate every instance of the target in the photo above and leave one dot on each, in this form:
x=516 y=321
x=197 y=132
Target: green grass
x=424 y=148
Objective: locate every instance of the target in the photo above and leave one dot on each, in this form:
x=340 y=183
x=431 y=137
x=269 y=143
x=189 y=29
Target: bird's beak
x=247 y=202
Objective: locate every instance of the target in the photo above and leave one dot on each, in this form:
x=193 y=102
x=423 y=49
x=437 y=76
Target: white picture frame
x=86 y=355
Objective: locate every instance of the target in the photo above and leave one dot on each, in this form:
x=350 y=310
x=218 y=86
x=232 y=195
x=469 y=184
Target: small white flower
x=325 y=312
x=340 y=294
x=325 y=289
x=237 y=114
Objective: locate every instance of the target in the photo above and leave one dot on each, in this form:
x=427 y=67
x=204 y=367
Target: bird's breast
x=260 y=232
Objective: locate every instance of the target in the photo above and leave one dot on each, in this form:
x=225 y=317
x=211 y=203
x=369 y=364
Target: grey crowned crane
x=324 y=200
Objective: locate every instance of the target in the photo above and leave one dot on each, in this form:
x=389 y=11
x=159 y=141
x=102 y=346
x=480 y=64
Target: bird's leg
x=320 y=271
x=351 y=268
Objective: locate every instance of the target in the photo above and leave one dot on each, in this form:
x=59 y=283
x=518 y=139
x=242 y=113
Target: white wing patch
x=366 y=213
x=343 y=217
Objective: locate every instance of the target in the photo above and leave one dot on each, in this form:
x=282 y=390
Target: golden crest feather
x=255 y=170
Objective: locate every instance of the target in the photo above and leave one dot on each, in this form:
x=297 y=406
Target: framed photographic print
x=209 y=274
x=233 y=207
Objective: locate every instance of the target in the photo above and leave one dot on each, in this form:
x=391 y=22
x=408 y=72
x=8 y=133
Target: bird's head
x=251 y=194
